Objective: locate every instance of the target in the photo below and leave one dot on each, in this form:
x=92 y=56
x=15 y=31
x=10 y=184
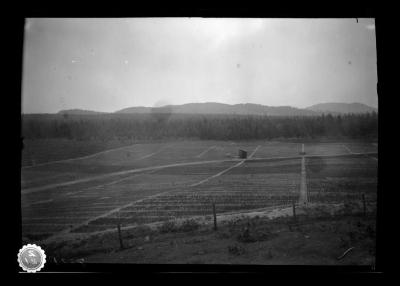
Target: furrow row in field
x=345 y=180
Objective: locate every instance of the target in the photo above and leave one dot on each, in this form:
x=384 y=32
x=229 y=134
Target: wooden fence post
x=121 y=245
x=215 y=216
x=294 y=210
x=364 y=205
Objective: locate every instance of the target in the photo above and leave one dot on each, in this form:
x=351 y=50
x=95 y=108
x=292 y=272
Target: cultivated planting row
x=341 y=180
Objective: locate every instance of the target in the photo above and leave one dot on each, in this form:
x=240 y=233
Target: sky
x=108 y=64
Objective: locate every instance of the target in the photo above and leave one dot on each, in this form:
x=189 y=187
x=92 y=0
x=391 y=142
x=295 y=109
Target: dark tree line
x=218 y=127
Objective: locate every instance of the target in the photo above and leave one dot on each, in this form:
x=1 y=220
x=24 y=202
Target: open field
x=147 y=183
x=342 y=179
x=240 y=189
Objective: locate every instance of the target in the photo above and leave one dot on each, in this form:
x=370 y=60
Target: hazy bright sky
x=110 y=64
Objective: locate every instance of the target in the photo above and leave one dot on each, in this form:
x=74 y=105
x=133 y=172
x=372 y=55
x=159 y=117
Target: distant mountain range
x=337 y=107
x=221 y=108
x=242 y=109
x=79 y=111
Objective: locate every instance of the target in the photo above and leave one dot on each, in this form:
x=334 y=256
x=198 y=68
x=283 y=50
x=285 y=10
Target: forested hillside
x=218 y=127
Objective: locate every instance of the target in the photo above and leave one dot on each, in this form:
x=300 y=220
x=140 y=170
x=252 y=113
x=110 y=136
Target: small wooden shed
x=242 y=154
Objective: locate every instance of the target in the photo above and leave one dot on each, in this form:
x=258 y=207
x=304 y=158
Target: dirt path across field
x=131 y=171
x=79 y=158
x=226 y=170
x=270 y=212
x=116 y=210
x=205 y=151
x=347 y=148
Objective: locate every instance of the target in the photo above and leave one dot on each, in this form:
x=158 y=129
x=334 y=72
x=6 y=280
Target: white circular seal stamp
x=31 y=258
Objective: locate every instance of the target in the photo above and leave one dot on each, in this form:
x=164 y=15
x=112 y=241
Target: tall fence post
x=364 y=205
x=215 y=216
x=294 y=210
x=121 y=244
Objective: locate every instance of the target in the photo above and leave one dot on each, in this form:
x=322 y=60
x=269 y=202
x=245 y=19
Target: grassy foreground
x=320 y=235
